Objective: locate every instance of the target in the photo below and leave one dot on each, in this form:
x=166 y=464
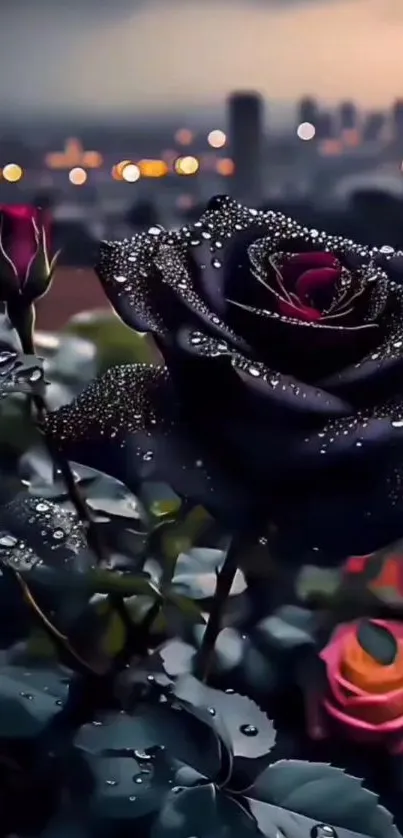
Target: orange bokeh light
x=225 y=167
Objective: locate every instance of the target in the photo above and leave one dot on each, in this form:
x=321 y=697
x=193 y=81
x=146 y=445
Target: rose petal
x=262 y=382
x=175 y=275
x=307 y=348
x=130 y=281
x=383 y=363
x=293 y=266
x=299 y=312
x=357 y=727
x=128 y=423
x=315 y=280
x=341 y=511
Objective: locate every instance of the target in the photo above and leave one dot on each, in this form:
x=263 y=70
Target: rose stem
x=225 y=579
x=78 y=501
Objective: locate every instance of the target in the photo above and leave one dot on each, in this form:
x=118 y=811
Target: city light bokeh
x=217 y=139
x=12 y=172
x=78 y=176
x=188 y=165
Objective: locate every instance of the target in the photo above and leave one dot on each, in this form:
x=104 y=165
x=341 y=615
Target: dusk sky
x=103 y=57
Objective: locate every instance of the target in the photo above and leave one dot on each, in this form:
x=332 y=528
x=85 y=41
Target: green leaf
x=160 y=500
x=114 y=638
x=323 y=794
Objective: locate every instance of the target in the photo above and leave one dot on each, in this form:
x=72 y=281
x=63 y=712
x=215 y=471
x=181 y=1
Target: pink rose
x=363 y=696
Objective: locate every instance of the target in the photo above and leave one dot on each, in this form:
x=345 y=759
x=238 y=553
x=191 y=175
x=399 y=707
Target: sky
x=104 y=58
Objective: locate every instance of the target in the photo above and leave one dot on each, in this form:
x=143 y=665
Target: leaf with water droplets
x=204 y=812
x=310 y=794
x=20 y=374
x=123 y=749
x=30 y=699
x=129 y=775
x=37 y=535
x=250 y=733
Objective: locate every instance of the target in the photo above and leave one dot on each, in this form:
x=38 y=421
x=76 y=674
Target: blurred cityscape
x=339 y=169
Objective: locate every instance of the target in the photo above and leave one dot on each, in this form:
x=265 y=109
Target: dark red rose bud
x=25 y=268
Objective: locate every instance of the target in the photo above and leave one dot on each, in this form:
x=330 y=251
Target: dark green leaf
x=250 y=733
x=204 y=812
x=324 y=795
x=29 y=699
x=20 y=374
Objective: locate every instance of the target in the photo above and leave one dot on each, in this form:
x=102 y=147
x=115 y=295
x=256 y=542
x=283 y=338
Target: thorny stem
x=82 y=509
x=225 y=579
x=78 y=501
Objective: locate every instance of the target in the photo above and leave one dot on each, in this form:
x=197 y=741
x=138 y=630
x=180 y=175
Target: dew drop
x=58 y=534
x=211 y=711
x=148 y=456
x=249 y=730
x=398 y=423
x=8 y=541
x=111 y=782
x=120 y=279
x=36 y=374
x=143 y=755
x=138 y=780
x=216 y=263
x=155 y=231
x=323 y=830
x=42 y=507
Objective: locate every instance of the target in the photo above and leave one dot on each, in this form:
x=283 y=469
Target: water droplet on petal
x=42 y=507
x=111 y=782
x=249 y=730
x=216 y=263
x=58 y=534
x=120 y=279
x=148 y=456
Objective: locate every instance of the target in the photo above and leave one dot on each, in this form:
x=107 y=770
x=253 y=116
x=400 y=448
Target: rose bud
x=362 y=696
x=26 y=269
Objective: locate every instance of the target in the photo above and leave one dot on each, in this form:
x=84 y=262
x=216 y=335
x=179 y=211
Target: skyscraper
x=348 y=116
x=245 y=124
x=308 y=111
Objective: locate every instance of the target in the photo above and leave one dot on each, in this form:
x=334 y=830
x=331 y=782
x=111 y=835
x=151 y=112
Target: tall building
x=325 y=126
x=374 y=126
x=348 y=116
x=308 y=111
x=245 y=129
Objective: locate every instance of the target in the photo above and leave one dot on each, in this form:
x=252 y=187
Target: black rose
x=281 y=397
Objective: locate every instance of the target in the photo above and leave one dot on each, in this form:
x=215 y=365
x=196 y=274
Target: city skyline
x=157 y=57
